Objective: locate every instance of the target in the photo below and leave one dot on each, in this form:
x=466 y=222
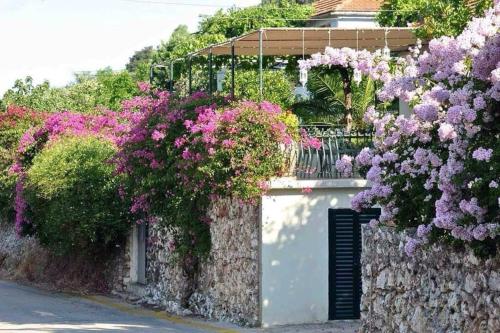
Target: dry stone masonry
x=226 y=285
x=439 y=289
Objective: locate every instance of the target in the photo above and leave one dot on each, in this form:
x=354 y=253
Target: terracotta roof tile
x=325 y=6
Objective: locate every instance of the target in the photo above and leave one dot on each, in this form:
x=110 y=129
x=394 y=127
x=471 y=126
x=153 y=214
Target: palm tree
x=335 y=97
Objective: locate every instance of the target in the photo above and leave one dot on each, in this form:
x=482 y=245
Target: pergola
x=301 y=42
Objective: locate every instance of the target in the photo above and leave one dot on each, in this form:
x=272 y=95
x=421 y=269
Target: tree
x=235 y=21
x=37 y=97
x=139 y=63
x=225 y=24
x=140 y=56
x=334 y=97
x=105 y=89
x=114 y=87
x=434 y=18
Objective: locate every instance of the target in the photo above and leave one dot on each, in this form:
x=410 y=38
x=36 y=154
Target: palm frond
x=364 y=95
x=327 y=97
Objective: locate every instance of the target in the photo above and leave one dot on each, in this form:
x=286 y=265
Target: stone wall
x=226 y=286
x=167 y=284
x=437 y=290
x=118 y=271
x=20 y=258
x=24 y=259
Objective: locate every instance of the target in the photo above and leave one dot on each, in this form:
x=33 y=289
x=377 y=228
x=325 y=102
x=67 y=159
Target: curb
x=130 y=309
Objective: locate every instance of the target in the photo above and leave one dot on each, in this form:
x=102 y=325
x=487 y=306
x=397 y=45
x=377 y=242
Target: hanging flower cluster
x=375 y=65
x=439 y=169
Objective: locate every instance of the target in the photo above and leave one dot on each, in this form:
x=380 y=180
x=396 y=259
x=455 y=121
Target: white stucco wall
x=294 y=254
x=347 y=20
x=354 y=22
x=404 y=109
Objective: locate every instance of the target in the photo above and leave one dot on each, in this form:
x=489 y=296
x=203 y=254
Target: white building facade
x=345 y=13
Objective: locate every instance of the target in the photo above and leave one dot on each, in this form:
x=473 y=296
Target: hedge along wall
x=436 y=290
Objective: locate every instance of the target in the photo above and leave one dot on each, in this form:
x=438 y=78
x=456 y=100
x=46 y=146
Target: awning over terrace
x=297 y=42
x=307 y=41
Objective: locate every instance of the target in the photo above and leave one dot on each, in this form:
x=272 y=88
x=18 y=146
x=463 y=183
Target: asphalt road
x=24 y=309
x=30 y=310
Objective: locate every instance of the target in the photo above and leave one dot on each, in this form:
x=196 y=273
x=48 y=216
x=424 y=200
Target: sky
x=52 y=39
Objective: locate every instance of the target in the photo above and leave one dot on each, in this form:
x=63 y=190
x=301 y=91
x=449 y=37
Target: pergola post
x=172 y=76
x=190 y=75
x=210 y=72
x=151 y=74
x=261 y=74
x=233 y=60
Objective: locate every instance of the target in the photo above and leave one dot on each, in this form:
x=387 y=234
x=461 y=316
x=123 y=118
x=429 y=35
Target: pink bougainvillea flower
x=306 y=190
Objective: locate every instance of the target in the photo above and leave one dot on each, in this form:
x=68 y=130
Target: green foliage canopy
x=434 y=18
x=104 y=89
x=225 y=24
x=139 y=63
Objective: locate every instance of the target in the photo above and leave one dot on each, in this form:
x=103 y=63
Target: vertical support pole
x=151 y=74
x=190 y=75
x=210 y=73
x=261 y=74
x=172 y=76
x=233 y=60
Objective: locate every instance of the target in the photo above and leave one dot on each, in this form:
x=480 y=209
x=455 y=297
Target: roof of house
x=328 y=6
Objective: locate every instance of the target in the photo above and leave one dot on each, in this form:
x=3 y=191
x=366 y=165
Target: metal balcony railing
x=311 y=163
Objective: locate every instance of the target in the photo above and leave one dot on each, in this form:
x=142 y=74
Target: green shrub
x=278 y=88
x=72 y=195
x=7 y=183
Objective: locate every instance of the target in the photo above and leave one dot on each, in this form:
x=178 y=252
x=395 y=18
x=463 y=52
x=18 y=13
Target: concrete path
x=29 y=310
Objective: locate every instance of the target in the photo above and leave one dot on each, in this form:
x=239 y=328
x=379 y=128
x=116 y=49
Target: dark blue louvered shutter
x=344 y=235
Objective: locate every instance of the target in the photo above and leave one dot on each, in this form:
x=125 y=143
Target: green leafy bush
x=277 y=87
x=72 y=195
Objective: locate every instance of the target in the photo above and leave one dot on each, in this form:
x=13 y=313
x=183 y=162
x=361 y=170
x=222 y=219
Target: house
x=346 y=13
x=291 y=257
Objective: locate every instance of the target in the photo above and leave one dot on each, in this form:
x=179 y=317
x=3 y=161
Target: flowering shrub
x=108 y=126
x=439 y=169
x=173 y=157
x=344 y=166
x=13 y=124
x=184 y=152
